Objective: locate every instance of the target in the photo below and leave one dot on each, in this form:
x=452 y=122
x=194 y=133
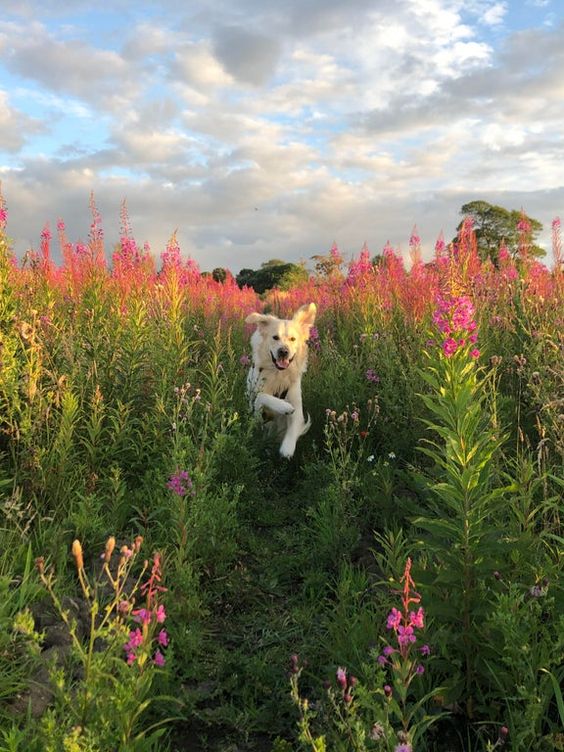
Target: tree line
x=494 y=226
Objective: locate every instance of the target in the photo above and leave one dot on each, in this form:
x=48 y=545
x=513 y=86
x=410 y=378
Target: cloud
x=100 y=77
x=265 y=129
x=15 y=126
x=247 y=56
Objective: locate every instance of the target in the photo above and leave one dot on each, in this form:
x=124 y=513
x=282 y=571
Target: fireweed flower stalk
x=462 y=445
x=147 y=640
x=403 y=660
x=108 y=702
x=389 y=708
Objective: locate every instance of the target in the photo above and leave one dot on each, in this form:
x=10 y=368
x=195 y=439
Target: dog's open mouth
x=281 y=363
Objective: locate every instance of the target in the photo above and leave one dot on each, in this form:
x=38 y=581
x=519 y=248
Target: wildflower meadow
x=169 y=582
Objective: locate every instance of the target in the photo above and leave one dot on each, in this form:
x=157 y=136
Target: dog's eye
x=275 y=336
x=292 y=339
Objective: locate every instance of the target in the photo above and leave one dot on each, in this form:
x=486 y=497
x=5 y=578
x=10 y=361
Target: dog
x=274 y=381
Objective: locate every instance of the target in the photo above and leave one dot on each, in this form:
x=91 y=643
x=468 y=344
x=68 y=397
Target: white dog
x=274 y=380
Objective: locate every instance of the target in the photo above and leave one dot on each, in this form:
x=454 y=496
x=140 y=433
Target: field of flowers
x=168 y=582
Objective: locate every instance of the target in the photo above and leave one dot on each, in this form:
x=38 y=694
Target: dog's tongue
x=282 y=362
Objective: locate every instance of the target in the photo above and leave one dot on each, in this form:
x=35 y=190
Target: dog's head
x=281 y=342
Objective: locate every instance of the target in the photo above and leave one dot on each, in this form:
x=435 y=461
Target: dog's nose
x=283 y=352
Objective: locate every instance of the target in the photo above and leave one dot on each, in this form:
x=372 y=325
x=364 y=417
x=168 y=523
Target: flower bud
x=110 y=545
x=77 y=553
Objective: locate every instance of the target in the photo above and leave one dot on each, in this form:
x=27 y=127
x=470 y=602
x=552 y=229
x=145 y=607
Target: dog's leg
x=296 y=423
x=274 y=404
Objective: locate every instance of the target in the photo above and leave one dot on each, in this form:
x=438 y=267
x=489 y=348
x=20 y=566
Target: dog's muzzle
x=281 y=360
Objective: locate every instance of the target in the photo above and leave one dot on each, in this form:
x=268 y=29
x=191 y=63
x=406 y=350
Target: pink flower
x=180 y=483
x=131 y=658
x=158 y=659
x=161 y=614
x=405 y=635
x=450 y=346
x=394 y=619
x=142 y=616
x=244 y=360
x=475 y=353
x=425 y=650
x=416 y=619
x=162 y=638
x=342 y=677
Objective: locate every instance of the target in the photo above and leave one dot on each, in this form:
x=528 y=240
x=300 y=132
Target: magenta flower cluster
x=180 y=483
x=372 y=376
x=313 y=340
x=454 y=318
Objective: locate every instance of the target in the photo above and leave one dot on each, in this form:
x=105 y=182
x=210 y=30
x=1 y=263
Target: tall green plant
x=461 y=540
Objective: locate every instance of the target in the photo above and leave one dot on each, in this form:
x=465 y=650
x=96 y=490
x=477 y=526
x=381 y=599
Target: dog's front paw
x=288 y=408
x=287 y=449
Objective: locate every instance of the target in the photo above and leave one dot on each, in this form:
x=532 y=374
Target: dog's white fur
x=274 y=381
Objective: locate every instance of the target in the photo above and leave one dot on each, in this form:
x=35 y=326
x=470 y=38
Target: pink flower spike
x=475 y=353
x=131 y=658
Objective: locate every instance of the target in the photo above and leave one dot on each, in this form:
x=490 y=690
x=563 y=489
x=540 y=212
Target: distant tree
x=495 y=226
x=273 y=273
x=245 y=277
x=219 y=274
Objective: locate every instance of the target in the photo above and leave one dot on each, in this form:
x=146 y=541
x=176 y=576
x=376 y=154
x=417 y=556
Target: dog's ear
x=259 y=318
x=305 y=316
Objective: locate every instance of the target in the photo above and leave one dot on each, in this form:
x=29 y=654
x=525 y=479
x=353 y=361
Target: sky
x=263 y=129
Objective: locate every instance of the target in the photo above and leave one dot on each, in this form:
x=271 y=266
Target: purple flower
x=405 y=635
x=180 y=483
x=142 y=616
x=372 y=376
x=394 y=619
x=420 y=669
x=162 y=638
x=244 y=360
x=403 y=747
x=342 y=677
x=425 y=650
x=158 y=659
